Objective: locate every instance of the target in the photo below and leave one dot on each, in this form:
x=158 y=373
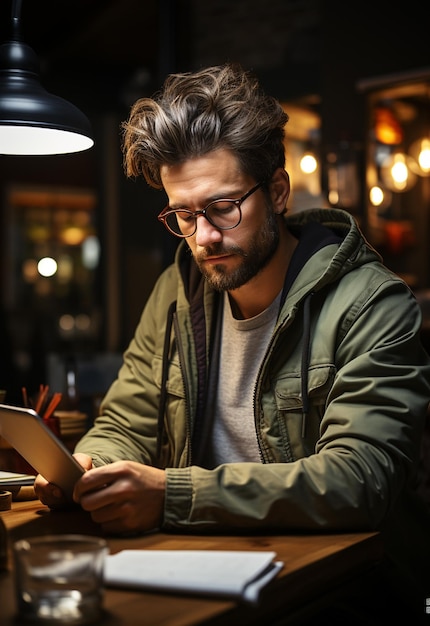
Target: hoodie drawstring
x=164 y=374
x=305 y=359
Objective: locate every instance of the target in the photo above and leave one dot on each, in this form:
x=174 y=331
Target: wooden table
x=314 y=565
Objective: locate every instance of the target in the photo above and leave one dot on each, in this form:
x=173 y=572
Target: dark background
x=104 y=54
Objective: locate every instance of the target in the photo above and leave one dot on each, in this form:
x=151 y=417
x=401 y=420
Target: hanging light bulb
x=420 y=152
x=379 y=197
x=308 y=163
x=424 y=156
x=420 y=149
x=376 y=196
x=387 y=128
x=397 y=173
x=33 y=121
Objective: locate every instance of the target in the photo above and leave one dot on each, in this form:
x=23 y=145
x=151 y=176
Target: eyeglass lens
x=223 y=214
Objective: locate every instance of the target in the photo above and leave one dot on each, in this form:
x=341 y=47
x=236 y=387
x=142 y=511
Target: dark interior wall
x=369 y=40
x=360 y=41
x=110 y=52
x=280 y=44
x=279 y=41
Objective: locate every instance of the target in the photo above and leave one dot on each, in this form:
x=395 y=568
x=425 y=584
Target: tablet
x=26 y=431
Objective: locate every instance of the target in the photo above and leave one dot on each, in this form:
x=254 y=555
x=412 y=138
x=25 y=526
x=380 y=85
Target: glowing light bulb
x=47 y=266
x=308 y=163
x=376 y=196
x=396 y=172
x=424 y=156
x=399 y=170
x=420 y=156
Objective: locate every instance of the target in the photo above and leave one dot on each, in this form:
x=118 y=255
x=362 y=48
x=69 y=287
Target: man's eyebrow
x=178 y=207
x=208 y=200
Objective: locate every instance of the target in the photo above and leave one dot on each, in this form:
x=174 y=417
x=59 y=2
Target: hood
x=351 y=248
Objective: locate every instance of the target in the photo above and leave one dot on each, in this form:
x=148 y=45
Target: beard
x=259 y=252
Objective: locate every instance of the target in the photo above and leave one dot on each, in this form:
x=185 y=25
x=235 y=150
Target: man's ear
x=279 y=187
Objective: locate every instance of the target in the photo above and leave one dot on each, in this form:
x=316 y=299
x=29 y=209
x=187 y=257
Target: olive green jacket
x=339 y=403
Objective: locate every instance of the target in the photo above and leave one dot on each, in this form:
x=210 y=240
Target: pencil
x=54 y=402
x=41 y=398
x=25 y=397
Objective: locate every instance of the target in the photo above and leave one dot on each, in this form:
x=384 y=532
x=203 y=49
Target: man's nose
x=206 y=233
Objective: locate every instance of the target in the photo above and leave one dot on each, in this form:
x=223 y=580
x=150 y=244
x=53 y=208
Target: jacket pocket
x=175 y=449
x=289 y=402
x=174 y=383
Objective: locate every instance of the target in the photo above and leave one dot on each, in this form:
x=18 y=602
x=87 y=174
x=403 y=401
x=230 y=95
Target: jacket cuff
x=179 y=497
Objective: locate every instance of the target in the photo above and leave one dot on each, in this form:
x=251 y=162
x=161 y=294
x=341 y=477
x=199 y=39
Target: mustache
x=218 y=249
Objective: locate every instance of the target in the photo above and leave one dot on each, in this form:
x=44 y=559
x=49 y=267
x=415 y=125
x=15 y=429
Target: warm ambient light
x=420 y=152
x=33 y=121
x=47 y=266
x=387 y=128
x=30 y=140
x=376 y=196
x=424 y=156
x=397 y=173
x=308 y=163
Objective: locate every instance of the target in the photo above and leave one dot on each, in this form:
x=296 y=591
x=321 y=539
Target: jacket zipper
x=286 y=322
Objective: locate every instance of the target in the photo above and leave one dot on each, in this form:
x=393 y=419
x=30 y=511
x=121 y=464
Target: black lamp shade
x=33 y=121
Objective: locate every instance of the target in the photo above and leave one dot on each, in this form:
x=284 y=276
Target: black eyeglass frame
x=162 y=217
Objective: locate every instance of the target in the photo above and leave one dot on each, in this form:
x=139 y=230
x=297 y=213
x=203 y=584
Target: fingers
x=119 y=508
x=51 y=494
x=123 y=497
x=93 y=480
x=84 y=460
x=48 y=493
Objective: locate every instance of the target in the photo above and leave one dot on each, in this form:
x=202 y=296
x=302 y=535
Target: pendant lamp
x=33 y=121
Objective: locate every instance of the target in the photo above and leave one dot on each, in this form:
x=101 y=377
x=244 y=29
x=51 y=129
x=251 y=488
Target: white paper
x=14 y=479
x=237 y=574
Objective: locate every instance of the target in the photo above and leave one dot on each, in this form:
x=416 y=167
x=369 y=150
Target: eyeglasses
x=224 y=214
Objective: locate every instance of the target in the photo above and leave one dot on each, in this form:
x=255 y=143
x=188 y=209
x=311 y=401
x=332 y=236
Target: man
x=276 y=381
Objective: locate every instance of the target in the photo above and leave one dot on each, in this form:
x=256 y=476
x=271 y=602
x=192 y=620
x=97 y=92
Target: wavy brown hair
x=196 y=113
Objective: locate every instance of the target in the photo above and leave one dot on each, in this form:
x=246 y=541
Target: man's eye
x=222 y=207
x=185 y=216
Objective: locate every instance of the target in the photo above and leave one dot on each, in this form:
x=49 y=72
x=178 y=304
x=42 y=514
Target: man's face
x=227 y=259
